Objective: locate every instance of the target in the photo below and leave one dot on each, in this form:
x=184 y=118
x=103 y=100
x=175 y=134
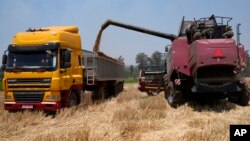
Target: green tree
x=141 y=60
x=156 y=59
x=131 y=68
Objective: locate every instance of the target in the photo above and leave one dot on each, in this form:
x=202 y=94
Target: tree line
x=143 y=61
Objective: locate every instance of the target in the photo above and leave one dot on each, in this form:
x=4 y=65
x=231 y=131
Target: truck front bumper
x=44 y=106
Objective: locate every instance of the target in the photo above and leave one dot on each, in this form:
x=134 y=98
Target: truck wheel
x=100 y=94
x=113 y=90
x=174 y=97
x=72 y=99
x=122 y=87
x=116 y=87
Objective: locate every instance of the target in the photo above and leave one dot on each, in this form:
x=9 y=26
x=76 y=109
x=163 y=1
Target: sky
x=160 y=15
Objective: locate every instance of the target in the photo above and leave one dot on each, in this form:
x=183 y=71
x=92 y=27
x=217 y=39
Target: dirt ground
x=132 y=116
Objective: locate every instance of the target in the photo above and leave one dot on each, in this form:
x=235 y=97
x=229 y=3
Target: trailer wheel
x=72 y=99
x=173 y=96
x=117 y=89
x=99 y=94
x=113 y=90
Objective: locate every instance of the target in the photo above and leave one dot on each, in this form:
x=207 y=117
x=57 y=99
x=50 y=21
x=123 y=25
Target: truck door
x=65 y=69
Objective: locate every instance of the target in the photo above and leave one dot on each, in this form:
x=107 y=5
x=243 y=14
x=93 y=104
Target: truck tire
x=116 y=90
x=72 y=99
x=99 y=94
x=113 y=90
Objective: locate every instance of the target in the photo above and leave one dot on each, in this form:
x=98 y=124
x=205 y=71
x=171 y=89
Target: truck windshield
x=32 y=61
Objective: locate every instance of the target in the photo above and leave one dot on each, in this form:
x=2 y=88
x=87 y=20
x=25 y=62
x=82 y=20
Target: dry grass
x=132 y=116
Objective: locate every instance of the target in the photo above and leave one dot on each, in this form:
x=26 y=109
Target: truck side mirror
x=4 y=59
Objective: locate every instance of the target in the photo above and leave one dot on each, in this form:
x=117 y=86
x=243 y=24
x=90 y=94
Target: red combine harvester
x=205 y=61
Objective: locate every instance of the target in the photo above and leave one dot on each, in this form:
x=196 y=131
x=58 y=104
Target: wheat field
x=132 y=116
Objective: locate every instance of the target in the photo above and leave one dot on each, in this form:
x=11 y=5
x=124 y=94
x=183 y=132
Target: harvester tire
x=150 y=93
x=174 y=97
x=242 y=98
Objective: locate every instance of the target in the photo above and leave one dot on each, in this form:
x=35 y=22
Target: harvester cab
x=213 y=27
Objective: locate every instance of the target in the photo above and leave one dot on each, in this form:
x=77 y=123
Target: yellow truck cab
x=43 y=69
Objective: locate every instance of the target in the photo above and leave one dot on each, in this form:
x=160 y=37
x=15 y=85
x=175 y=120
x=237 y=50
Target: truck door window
x=65 y=58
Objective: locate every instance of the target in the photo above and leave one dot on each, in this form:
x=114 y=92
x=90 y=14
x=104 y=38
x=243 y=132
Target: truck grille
x=29 y=84
x=28 y=96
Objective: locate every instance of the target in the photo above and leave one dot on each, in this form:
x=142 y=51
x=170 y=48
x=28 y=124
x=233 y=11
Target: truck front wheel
x=72 y=99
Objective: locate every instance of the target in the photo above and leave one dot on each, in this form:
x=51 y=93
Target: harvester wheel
x=242 y=98
x=150 y=93
x=173 y=96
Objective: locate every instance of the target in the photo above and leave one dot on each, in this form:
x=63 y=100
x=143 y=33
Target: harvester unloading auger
x=203 y=61
x=96 y=48
x=152 y=85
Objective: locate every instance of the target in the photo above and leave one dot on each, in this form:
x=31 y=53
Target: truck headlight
x=52 y=97
x=8 y=97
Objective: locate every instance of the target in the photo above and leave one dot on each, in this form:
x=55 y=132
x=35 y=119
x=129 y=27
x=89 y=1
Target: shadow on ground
x=211 y=105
